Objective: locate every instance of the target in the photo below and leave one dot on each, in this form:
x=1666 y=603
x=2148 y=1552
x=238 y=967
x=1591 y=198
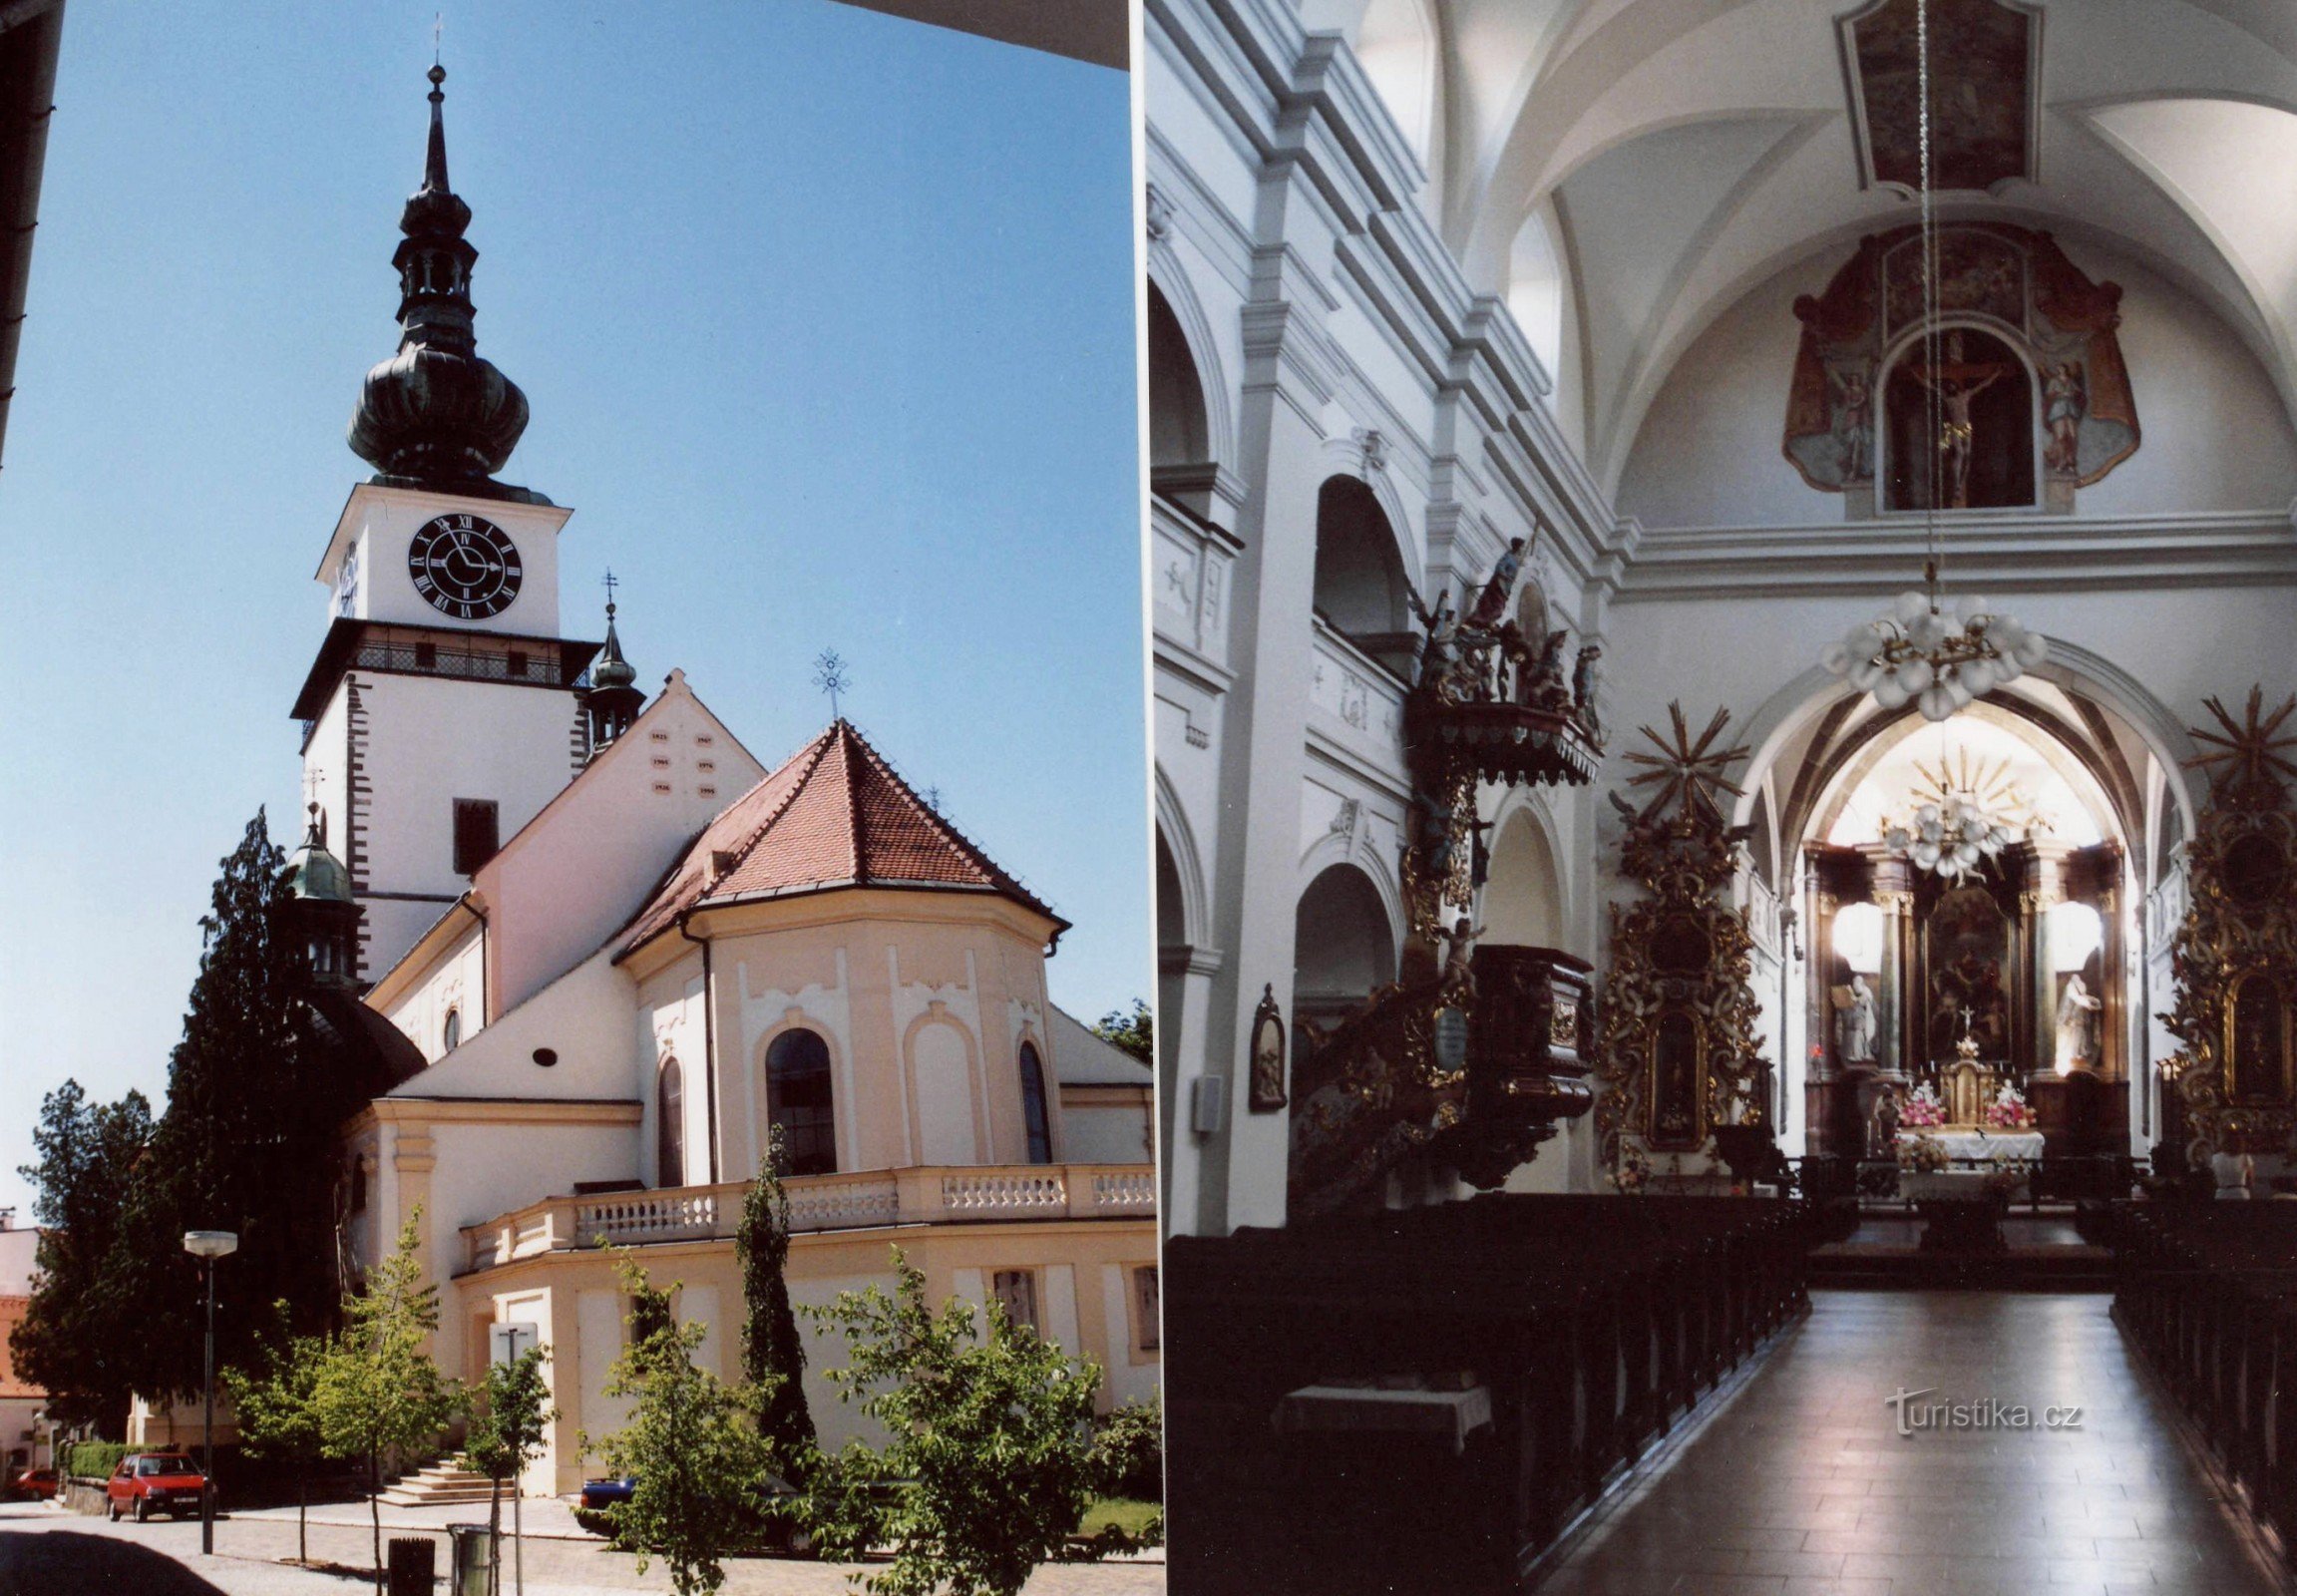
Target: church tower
x=442 y=710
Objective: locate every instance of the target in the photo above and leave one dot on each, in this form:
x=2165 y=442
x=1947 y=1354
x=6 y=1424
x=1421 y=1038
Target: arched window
x=450 y=1033
x=1178 y=432
x=1034 y=1114
x=670 y=1126
x=1359 y=577
x=1342 y=949
x=798 y=1100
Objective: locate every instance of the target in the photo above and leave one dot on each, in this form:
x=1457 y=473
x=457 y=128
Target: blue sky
x=827 y=323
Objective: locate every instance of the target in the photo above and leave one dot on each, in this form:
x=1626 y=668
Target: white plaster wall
x=485 y=1170
x=585 y=1016
x=555 y=894
x=2215 y=436
x=431 y=740
x=379 y=524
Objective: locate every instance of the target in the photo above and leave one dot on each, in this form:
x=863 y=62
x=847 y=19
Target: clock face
x=465 y=566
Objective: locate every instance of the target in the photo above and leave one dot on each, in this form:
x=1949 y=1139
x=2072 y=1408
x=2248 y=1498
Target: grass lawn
x=1133 y=1517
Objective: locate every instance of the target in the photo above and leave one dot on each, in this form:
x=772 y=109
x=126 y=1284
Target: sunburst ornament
x=1685 y=770
x=2246 y=762
x=1965 y=813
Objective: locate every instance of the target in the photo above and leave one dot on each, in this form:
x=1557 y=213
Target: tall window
x=478 y=833
x=798 y=1100
x=670 y=1126
x=1016 y=1290
x=1033 y=1106
x=1148 y=1309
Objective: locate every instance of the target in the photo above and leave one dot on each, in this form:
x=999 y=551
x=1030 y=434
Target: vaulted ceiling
x=1682 y=152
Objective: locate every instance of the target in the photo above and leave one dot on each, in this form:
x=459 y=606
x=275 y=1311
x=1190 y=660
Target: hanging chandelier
x=1963 y=816
x=1921 y=652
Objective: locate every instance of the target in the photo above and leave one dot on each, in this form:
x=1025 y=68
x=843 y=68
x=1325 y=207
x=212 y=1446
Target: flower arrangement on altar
x=2009 y=1111
x=1924 y=1155
x=1923 y=1109
x=1633 y=1171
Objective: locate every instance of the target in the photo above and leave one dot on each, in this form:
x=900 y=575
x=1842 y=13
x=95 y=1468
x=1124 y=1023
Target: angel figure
x=1460 y=951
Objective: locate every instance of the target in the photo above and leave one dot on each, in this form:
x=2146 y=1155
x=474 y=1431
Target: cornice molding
x=2023 y=554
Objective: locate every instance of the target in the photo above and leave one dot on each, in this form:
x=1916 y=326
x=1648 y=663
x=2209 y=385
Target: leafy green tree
x=378 y=1395
x=690 y=1444
x=277 y=1407
x=1133 y=1033
x=773 y=1354
x=73 y=1340
x=507 y=1432
x=989 y=1464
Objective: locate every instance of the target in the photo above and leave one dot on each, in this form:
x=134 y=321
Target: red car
x=153 y=1482
x=36 y=1484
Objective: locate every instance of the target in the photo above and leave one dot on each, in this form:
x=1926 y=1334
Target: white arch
x=1354 y=847
x=1809 y=695
x=1343 y=457
x=1520 y=809
x=1171 y=276
x=1179 y=837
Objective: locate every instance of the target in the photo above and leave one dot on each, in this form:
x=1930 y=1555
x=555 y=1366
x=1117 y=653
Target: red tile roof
x=834 y=814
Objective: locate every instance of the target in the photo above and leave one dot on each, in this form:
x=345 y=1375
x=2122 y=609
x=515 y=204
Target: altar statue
x=2078 y=1024
x=1857 y=1025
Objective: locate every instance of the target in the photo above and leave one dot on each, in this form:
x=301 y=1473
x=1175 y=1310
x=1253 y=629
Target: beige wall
x=1086 y=1293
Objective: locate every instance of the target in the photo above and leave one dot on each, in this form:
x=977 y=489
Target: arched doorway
x=2010 y=973
x=1522 y=897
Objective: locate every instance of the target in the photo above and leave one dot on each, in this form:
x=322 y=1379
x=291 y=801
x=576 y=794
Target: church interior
x=1725 y=778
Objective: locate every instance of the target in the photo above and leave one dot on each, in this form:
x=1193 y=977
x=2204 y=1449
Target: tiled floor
x=1801 y=1485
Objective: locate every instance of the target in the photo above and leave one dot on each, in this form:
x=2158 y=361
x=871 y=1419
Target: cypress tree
x=773 y=1356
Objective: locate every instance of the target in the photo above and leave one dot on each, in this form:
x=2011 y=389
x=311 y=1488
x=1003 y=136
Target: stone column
x=1184 y=1002
x=1902 y=1051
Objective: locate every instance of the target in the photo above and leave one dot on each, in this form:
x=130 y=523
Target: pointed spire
x=614 y=700
x=436 y=413
x=435 y=159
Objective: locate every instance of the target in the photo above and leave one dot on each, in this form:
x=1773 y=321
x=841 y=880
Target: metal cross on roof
x=830 y=676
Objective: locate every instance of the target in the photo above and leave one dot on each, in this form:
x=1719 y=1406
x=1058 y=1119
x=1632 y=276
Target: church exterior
x=598 y=951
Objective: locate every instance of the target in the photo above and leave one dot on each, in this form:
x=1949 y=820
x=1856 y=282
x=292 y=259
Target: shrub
x=95 y=1459
x=1128 y=1450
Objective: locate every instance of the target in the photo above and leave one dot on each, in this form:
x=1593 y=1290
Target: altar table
x=1967 y=1148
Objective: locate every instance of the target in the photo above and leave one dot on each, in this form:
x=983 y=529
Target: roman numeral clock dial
x=465 y=566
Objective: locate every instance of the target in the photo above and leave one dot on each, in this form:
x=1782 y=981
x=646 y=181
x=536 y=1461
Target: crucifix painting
x=1981 y=453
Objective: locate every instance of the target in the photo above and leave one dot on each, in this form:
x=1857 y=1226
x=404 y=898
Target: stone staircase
x=448 y=1482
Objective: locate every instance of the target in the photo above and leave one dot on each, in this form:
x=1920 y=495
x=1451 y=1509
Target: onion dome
x=435 y=412
x=613 y=699
x=320 y=913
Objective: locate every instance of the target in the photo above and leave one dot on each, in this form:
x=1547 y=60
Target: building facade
x=599 y=953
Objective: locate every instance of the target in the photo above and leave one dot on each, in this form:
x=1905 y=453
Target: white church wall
x=455 y=984
x=582 y=1019
x=555 y=895
x=2214 y=434
x=373 y=538
x=511 y=747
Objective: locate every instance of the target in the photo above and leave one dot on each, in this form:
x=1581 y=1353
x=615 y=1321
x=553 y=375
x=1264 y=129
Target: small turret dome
x=313 y=874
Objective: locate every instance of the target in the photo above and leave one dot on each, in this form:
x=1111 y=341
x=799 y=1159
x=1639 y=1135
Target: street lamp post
x=207 y=1246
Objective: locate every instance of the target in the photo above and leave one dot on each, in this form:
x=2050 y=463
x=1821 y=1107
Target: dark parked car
x=154 y=1483
x=776 y=1531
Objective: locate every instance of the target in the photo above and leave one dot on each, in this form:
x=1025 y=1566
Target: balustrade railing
x=925 y=1195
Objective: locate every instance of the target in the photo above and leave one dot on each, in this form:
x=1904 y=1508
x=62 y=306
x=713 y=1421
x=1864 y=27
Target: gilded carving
x=1678 y=1054
x=2234 y=958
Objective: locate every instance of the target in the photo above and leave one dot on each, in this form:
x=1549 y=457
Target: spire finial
x=435 y=157
x=611 y=582
x=831 y=676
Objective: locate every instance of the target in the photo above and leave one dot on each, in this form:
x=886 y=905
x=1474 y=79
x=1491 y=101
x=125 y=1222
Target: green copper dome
x=314 y=874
